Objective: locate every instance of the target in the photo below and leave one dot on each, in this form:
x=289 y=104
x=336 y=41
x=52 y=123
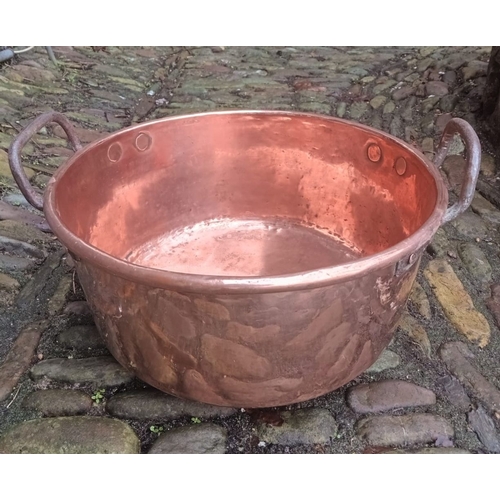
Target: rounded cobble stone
x=102 y=371
x=155 y=405
x=58 y=402
x=196 y=439
x=388 y=395
x=70 y=435
x=309 y=426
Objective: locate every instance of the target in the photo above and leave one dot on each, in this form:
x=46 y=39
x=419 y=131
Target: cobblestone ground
x=434 y=390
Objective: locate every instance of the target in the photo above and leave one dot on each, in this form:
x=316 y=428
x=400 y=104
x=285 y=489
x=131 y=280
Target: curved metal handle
x=22 y=139
x=472 y=159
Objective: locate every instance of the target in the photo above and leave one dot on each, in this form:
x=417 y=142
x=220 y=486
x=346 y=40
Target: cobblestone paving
x=434 y=390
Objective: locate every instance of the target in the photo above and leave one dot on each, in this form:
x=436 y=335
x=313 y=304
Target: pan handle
x=472 y=159
x=22 y=139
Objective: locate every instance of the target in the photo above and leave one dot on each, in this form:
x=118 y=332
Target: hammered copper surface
x=248 y=350
x=249 y=258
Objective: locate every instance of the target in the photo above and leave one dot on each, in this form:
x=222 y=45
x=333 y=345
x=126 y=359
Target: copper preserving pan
x=247 y=258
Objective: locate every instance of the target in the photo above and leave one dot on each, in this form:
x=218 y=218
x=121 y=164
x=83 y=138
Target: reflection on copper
x=239 y=247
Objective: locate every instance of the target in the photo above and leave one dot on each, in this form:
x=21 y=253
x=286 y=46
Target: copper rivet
x=114 y=152
x=374 y=152
x=400 y=166
x=142 y=141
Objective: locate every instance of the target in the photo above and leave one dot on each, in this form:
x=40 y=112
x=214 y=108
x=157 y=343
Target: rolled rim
x=198 y=283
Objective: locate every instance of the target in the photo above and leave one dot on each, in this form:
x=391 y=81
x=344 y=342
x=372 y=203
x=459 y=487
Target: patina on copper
x=248 y=258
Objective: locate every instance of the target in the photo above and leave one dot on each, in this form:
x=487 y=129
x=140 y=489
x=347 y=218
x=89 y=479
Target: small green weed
x=98 y=396
x=155 y=429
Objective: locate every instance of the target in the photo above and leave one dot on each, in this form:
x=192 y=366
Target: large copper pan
x=247 y=258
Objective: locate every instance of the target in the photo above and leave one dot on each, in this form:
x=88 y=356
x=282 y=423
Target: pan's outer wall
x=254 y=350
